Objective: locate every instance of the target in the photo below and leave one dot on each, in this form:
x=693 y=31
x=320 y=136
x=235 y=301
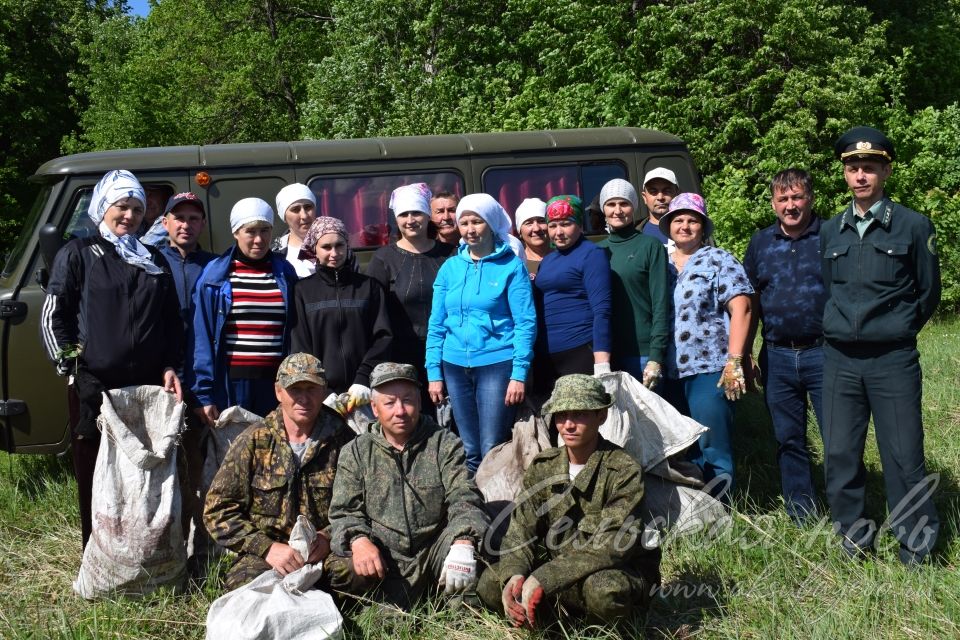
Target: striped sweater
x=253 y=333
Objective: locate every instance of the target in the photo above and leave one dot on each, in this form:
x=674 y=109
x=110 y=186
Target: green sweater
x=641 y=310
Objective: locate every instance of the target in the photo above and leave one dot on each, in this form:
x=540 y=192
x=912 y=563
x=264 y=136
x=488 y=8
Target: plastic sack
x=271 y=606
x=231 y=423
x=500 y=474
x=137 y=542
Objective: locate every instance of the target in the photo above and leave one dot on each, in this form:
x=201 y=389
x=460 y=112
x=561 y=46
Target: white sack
x=270 y=607
x=232 y=422
x=137 y=540
x=500 y=474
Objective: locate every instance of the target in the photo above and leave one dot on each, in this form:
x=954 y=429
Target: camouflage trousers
x=606 y=595
x=337 y=575
x=408 y=577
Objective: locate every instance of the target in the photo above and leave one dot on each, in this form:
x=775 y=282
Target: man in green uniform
x=405 y=513
x=575 y=537
x=276 y=470
x=882 y=276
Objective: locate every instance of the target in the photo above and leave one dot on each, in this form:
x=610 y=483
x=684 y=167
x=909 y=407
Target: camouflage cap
x=577 y=392
x=300 y=367
x=389 y=371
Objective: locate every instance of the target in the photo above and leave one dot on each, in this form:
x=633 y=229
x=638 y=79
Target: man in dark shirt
x=882 y=276
x=783 y=265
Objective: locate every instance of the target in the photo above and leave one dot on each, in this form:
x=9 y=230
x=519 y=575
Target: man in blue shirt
x=184 y=219
x=783 y=265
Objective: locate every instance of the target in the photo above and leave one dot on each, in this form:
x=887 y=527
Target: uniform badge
x=864 y=146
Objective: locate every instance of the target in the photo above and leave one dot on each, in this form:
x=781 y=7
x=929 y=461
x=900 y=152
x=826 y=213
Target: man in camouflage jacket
x=575 y=535
x=276 y=470
x=405 y=515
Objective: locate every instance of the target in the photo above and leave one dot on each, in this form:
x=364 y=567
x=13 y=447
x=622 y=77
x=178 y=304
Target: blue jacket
x=213 y=298
x=482 y=313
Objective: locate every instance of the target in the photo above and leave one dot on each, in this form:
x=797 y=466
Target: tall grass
x=761 y=578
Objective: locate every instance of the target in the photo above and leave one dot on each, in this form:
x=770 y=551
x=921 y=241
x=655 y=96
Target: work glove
x=531 y=595
x=511 y=598
x=357 y=396
x=651 y=374
x=459 y=571
x=601 y=368
x=732 y=380
x=337 y=403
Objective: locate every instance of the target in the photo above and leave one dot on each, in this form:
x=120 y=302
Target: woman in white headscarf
x=110 y=318
x=297 y=206
x=482 y=327
x=407 y=270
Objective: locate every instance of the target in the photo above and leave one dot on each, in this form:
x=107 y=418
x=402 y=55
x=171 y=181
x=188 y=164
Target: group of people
x=458 y=308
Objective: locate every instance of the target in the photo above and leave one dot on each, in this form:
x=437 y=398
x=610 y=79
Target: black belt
x=797 y=345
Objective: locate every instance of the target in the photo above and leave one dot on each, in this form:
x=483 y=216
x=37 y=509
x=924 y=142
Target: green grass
x=762 y=578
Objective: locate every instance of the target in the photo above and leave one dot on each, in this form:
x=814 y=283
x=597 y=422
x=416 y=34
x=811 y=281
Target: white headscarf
x=496 y=217
x=293 y=193
x=411 y=197
x=248 y=210
x=530 y=208
x=113 y=186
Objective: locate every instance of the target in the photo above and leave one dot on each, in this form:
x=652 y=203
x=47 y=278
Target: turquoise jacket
x=482 y=313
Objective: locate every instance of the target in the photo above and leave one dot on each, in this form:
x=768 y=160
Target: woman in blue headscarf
x=111 y=318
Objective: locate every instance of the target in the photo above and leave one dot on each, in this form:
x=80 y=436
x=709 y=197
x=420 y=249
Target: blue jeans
x=697 y=396
x=257 y=395
x=634 y=365
x=788 y=375
x=477 y=396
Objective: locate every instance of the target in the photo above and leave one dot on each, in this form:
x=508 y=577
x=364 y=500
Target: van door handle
x=13 y=310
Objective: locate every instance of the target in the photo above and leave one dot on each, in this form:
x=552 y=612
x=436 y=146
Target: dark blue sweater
x=575 y=288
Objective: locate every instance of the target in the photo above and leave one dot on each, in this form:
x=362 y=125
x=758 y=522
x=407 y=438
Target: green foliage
x=38 y=51
x=198 y=72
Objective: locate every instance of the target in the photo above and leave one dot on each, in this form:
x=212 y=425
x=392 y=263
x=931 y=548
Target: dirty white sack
x=272 y=607
x=137 y=542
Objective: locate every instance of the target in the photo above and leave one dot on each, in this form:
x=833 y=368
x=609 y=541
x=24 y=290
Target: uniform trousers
x=860 y=379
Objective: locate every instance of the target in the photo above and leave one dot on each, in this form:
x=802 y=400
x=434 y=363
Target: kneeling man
x=405 y=515
x=276 y=470
x=575 y=535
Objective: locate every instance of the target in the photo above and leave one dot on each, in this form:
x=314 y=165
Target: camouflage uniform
x=260 y=489
x=580 y=539
x=412 y=504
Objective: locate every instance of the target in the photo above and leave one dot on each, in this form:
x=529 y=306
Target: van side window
x=80 y=224
x=362 y=202
x=510 y=185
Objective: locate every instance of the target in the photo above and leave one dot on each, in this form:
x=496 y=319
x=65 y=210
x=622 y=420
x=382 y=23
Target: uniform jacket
x=482 y=313
x=341 y=317
x=260 y=489
x=882 y=287
x=213 y=298
x=403 y=499
x=127 y=320
x=579 y=527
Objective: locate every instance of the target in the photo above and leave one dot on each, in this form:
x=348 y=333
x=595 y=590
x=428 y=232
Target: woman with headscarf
x=296 y=206
x=340 y=315
x=641 y=309
x=242 y=318
x=531 y=222
x=482 y=327
x=573 y=284
x=711 y=320
x=110 y=318
x=407 y=269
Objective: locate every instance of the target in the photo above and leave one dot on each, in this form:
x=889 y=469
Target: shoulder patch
x=932 y=244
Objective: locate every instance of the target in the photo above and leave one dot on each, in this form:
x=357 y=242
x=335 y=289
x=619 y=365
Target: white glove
x=358 y=395
x=601 y=367
x=651 y=374
x=459 y=571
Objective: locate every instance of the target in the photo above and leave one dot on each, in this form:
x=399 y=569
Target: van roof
x=357 y=150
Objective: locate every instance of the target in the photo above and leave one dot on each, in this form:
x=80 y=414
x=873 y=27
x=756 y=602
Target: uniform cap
x=687 y=203
x=390 y=371
x=300 y=367
x=577 y=392
x=864 y=143
x=664 y=174
x=180 y=198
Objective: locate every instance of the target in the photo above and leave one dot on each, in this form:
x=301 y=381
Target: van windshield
x=26 y=234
